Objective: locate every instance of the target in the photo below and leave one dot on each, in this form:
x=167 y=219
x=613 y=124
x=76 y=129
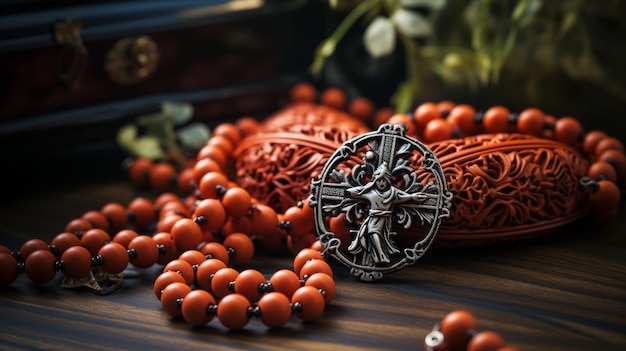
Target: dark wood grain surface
x=565 y=291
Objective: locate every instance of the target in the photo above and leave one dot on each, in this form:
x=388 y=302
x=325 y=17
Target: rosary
x=317 y=181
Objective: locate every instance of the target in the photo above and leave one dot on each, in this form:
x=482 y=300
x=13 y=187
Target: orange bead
x=248 y=126
x=163 y=177
x=97 y=219
x=325 y=283
x=94 y=239
x=496 y=119
x=139 y=171
x=609 y=143
x=617 y=159
x=215 y=250
x=76 y=262
x=530 y=121
x=285 y=281
x=602 y=170
x=205 y=272
x=264 y=220
x=223 y=143
x=185 y=181
x=64 y=241
x=591 y=141
x=210 y=182
x=445 y=106
x=40 y=266
x=212 y=212
x=548 y=132
x=361 y=108
x=605 y=199
x=8 y=267
x=303 y=92
x=303 y=257
x=220 y=284
x=315 y=266
x=243 y=247
x=146 y=252
x=143 y=213
x=425 y=113
x=334 y=97
x=339 y=226
x=4 y=249
x=238 y=225
x=31 y=246
x=232 y=311
x=115 y=258
x=183 y=268
x=462 y=116
x=437 y=130
x=78 y=226
x=485 y=341
x=214 y=153
x=165 y=279
x=193 y=257
x=186 y=234
x=311 y=303
x=165 y=241
x=405 y=120
x=299 y=221
x=164 y=198
x=455 y=327
x=171 y=296
x=194 y=307
x=317 y=246
x=275 y=309
x=166 y=223
x=248 y=283
x=568 y=130
x=236 y=202
x=204 y=166
x=124 y=237
x=116 y=215
x=382 y=116
x=228 y=130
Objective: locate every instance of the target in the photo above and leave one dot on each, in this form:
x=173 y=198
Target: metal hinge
x=72 y=57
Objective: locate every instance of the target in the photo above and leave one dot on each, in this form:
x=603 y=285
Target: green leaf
x=126 y=136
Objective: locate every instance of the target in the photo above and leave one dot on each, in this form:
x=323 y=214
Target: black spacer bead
x=445 y=113
x=323 y=292
x=59 y=266
x=512 y=118
x=231 y=286
x=456 y=132
x=162 y=249
x=231 y=252
x=132 y=253
x=197 y=194
x=478 y=117
x=254 y=311
x=300 y=204
x=179 y=302
x=21 y=267
x=53 y=249
x=173 y=180
x=296 y=307
x=208 y=256
x=548 y=125
x=17 y=255
x=581 y=136
x=285 y=225
x=79 y=234
x=211 y=310
x=302 y=282
x=130 y=215
x=220 y=190
x=97 y=261
x=201 y=220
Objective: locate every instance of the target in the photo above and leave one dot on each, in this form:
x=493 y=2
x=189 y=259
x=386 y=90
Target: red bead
x=64 y=241
x=285 y=281
x=166 y=197
x=264 y=220
x=8 y=269
x=455 y=327
x=496 y=119
x=437 y=130
x=146 y=252
x=139 y=171
x=143 y=213
x=236 y=202
x=221 y=282
x=462 y=116
x=194 y=307
x=185 y=181
x=382 y=116
x=78 y=226
x=243 y=247
x=334 y=97
x=204 y=166
x=605 y=199
x=186 y=234
x=232 y=311
x=31 y=246
x=404 y=119
x=183 y=268
x=311 y=302
x=76 y=261
x=116 y=215
x=193 y=257
x=223 y=143
x=165 y=279
x=425 y=113
x=124 y=237
x=602 y=170
x=275 y=309
x=315 y=266
x=216 y=250
x=247 y=284
x=40 y=266
x=167 y=243
x=485 y=341
x=567 y=130
x=530 y=121
x=94 y=239
x=214 y=153
x=247 y=126
x=591 y=141
x=324 y=282
x=303 y=257
x=209 y=183
x=617 y=159
x=340 y=228
x=609 y=144
x=171 y=296
x=115 y=258
x=205 y=272
x=362 y=108
x=97 y=219
x=303 y=92
x=228 y=130
x=299 y=221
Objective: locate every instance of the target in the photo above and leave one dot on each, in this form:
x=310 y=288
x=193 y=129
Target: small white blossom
x=379 y=37
x=411 y=23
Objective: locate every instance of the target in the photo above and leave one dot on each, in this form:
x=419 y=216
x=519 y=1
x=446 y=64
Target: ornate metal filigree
x=97 y=281
x=379 y=197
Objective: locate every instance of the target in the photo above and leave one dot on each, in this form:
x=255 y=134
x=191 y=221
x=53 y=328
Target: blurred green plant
x=470 y=42
x=165 y=134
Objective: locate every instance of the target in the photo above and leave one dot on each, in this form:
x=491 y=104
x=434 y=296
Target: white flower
x=411 y=23
x=379 y=37
x=431 y=4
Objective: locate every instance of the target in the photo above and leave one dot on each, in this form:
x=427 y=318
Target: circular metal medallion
x=376 y=217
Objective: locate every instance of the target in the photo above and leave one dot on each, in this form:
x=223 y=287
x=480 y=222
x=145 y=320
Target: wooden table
x=565 y=291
